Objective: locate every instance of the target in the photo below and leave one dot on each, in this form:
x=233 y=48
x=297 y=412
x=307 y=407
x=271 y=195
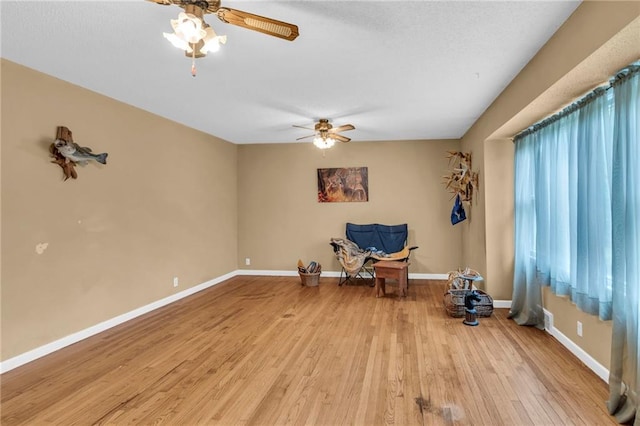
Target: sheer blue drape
x=591 y=252
x=555 y=164
x=526 y=305
x=624 y=383
x=577 y=222
x=562 y=215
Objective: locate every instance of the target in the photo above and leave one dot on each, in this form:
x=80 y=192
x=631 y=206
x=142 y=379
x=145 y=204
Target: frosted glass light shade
x=324 y=143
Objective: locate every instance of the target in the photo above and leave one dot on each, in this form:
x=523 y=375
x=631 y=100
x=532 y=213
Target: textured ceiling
x=396 y=70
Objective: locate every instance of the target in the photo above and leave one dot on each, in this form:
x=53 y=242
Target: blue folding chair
x=378 y=242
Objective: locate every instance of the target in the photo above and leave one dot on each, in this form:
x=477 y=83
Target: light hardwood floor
x=267 y=351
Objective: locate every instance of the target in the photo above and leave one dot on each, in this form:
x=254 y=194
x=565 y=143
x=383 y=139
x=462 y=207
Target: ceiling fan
x=193 y=35
x=326 y=135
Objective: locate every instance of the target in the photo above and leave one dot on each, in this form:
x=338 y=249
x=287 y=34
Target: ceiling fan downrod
x=206 y=5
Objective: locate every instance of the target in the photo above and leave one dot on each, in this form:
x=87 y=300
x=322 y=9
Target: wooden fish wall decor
x=461 y=180
x=67 y=154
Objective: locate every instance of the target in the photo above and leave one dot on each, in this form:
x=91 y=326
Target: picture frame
x=346 y=184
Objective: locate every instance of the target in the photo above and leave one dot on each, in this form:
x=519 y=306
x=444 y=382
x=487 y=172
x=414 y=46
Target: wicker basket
x=454 y=303
x=310 y=280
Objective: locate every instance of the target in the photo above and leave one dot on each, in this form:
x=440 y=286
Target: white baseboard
x=582 y=355
x=43 y=350
x=269 y=273
x=331 y=274
x=429 y=276
x=502 y=304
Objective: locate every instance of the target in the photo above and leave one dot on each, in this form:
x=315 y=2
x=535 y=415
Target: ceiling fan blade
x=258 y=23
x=340 y=138
x=166 y=2
x=304 y=137
x=302 y=127
x=342 y=128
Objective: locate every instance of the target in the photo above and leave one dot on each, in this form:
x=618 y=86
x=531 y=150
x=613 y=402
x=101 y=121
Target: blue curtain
x=624 y=383
x=577 y=222
x=526 y=305
x=562 y=219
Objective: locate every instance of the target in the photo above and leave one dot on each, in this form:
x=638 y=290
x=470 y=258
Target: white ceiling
x=396 y=70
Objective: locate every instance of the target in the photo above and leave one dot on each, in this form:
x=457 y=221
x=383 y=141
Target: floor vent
x=548 y=321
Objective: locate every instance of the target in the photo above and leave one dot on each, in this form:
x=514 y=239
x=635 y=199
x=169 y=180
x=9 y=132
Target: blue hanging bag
x=457 y=214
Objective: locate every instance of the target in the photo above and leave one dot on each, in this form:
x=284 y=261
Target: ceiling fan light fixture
x=196 y=38
x=325 y=135
x=323 y=143
x=191 y=33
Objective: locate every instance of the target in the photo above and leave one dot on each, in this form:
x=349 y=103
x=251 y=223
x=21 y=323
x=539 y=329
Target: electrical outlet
x=175 y=281
x=247 y=261
x=579 y=329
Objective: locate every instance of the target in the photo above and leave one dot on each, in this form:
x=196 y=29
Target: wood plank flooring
x=267 y=351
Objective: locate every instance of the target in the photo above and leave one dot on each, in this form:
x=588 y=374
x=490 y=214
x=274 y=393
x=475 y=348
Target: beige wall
x=474 y=253
x=165 y=205
x=499 y=199
x=597 y=40
x=596 y=334
x=280 y=219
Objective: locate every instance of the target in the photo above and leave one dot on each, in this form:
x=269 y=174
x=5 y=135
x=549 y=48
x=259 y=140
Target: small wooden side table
x=391 y=269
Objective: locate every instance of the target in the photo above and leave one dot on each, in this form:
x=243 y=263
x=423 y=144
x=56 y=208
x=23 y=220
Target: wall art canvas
x=343 y=185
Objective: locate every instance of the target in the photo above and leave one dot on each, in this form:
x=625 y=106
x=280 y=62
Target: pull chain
x=193 y=62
